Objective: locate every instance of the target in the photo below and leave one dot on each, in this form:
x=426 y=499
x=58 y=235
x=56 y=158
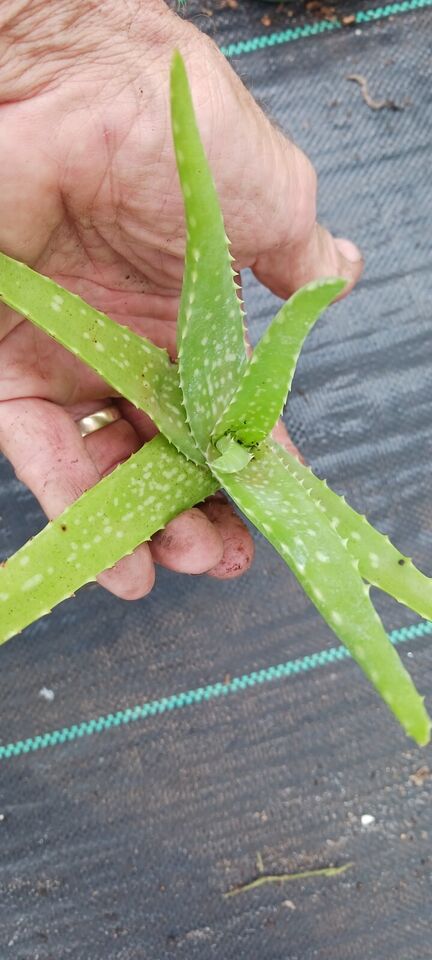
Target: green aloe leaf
x=226 y=408
x=211 y=345
x=232 y=456
x=380 y=563
x=286 y=515
x=105 y=524
x=263 y=390
x=132 y=365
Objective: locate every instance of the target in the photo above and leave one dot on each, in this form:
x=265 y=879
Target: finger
x=238 y=546
x=106 y=447
x=51 y=458
x=318 y=255
x=281 y=435
x=144 y=427
x=132 y=577
x=304 y=250
x=189 y=544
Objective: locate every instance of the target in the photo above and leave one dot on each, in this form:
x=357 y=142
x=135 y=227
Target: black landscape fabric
x=120 y=839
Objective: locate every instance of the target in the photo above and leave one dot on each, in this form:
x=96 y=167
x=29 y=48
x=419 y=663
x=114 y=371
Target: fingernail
x=348 y=250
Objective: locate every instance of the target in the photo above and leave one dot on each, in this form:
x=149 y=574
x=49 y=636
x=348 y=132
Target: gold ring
x=98 y=420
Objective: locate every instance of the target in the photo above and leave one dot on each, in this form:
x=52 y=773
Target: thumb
x=302 y=250
x=317 y=254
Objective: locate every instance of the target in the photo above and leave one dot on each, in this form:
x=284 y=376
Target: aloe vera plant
x=215 y=411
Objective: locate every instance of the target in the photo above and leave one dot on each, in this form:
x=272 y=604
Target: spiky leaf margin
x=132 y=365
x=263 y=390
x=107 y=523
x=280 y=507
x=211 y=345
x=380 y=563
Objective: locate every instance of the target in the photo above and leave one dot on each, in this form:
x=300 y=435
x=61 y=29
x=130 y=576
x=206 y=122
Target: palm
x=92 y=199
x=96 y=245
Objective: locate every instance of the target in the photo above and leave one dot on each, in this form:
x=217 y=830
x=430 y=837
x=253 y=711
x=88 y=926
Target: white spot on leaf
x=32 y=582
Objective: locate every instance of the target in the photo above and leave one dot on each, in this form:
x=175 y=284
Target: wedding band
x=95 y=421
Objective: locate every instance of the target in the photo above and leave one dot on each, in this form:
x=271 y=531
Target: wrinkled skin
x=90 y=196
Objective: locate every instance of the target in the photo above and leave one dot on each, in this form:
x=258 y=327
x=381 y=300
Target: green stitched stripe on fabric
x=199 y=695
x=241 y=47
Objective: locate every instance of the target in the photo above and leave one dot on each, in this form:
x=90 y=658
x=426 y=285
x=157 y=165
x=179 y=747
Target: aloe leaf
x=379 y=561
x=263 y=390
x=232 y=456
x=286 y=515
x=211 y=343
x=105 y=524
x=132 y=365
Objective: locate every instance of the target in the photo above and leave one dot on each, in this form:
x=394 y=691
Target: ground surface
x=120 y=844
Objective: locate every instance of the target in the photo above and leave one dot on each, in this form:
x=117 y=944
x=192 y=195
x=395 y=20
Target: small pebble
x=289 y=904
x=367 y=819
x=47 y=694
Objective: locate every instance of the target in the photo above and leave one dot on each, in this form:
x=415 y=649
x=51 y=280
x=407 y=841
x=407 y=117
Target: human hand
x=90 y=197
